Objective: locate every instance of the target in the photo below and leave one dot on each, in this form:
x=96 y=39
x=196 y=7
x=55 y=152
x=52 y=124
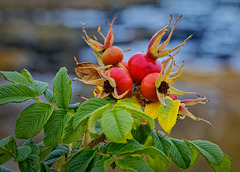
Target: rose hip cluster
x=143 y=76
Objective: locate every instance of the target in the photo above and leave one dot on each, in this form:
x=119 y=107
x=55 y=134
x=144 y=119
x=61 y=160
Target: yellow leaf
x=167 y=116
x=152 y=109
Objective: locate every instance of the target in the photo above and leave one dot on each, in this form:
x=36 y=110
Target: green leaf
x=54 y=127
x=167 y=116
x=24 y=152
x=27 y=74
x=40 y=144
x=210 y=151
x=45 y=153
x=79 y=162
x=162 y=143
x=225 y=166
x=194 y=156
x=32 y=164
x=8 y=144
x=123 y=148
x=62 y=88
x=32 y=119
x=74 y=106
x=15 y=93
x=195 y=153
x=15 y=77
x=149 y=141
x=141 y=133
x=45 y=168
x=102 y=164
x=69 y=134
x=98 y=130
x=156 y=163
x=94 y=118
x=35 y=149
x=4 y=157
x=135 y=148
x=103 y=147
x=136 y=111
x=38 y=86
x=110 y=99
x=181 y=153
x=8 y=149
x=95 y=159
x=54 y=156
x=116 y=125
x=134 y=164
x=49 y=96
x=3 y=169
x=87 y=108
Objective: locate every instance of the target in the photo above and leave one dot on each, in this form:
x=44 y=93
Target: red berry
x=140 y=65
x=148 y=87
x=112 y=56
x=122 y=78
x=125 y=64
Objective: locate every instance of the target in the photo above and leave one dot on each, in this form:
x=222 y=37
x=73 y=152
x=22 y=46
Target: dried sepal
x=163 y=45
x=173 y=78
x=182 y=44
x=98 y=82
x=99 y=31
x=102 y=71
x=155 y=50
x=189 y=102
x=85 y=64
x=117 y=96
x=168 y=71
x=174 y=91
x=161 y=98
x=95 y=45
x=184 y=111
x=163 y=53
x=111 y=80
x=177 y=72
x=166 y=61
x=87 y=73
x=100 y=93
x=155 y=40
x=110 y=36
x=121 y=66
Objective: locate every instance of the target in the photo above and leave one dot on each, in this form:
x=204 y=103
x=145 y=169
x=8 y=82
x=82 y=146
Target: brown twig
x=98 y=140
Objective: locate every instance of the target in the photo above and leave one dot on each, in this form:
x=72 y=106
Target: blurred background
x=43 y=36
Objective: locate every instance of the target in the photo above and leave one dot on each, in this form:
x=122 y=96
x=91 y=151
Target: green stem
x=38 y=100
x=86 y=138
x=9 y=152
x=70 y=148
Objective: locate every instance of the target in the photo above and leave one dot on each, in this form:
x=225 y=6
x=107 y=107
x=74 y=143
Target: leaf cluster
x=93 y=136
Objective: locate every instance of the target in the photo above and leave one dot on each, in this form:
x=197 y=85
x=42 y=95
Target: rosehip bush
x=114 y=128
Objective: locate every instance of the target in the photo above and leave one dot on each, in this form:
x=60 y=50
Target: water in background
x=44 y=37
